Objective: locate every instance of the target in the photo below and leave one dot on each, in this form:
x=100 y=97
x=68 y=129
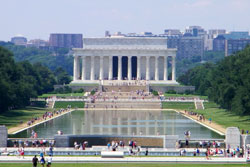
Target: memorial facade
x=124 y=59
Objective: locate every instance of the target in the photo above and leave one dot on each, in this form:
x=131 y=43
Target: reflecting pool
x=122 y=123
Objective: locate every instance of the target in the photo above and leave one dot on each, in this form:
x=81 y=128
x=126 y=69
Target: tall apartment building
x=219 y=43
x=190 y=46
x=234 y=45
x=65 y=40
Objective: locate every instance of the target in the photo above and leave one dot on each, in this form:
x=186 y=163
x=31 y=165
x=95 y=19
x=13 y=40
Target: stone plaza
x=124 y=59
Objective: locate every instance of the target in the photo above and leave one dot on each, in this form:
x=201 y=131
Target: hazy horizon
x=37 y=19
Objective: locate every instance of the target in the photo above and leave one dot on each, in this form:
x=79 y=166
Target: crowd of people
x=47 y=115
x=80 y=146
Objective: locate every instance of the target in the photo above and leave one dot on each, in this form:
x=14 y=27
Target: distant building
x=171 y=32
x=234 y=45
x=19 y=40
x=37 y=43
x=190 y=46
x=66 y=40
x=219 y=43
x=195 y=31
x=173 y=41
x=215 y=32
x=237 y=35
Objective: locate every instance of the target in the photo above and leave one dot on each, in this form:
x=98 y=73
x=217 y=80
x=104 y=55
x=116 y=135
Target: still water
x=122 y=123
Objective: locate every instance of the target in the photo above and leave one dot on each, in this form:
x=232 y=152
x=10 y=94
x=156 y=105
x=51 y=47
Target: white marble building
x=124 y=59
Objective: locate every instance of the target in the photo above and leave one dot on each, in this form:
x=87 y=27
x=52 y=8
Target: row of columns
x=110 y=75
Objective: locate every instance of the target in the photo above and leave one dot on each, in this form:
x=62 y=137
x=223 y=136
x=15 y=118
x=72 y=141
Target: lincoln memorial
x=124 y=59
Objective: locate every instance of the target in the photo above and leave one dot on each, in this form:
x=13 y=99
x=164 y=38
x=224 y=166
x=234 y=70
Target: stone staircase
x=124 y=100
x=123 y=88
x=124 y=105
x=199 y=105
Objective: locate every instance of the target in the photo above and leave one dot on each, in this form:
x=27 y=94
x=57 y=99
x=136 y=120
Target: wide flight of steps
x=118 y=98
x=199 y=105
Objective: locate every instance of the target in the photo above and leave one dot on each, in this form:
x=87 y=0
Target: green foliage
x=73 y=104
x=230 y=83
x=155 y=93
x=92 y=92
x=81 y=90
x=62 y=76
x=198 y=77
x=38 y=103
x=227 y=83
x=171 y=92
x=21 y=81
x=51 y=59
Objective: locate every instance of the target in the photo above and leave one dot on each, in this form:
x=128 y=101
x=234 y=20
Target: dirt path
x=212 y=125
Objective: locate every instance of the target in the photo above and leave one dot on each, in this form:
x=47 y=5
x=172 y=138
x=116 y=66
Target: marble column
x=156 y=68
x=138 y=67
x=173 y=68
x=92 y=72
x=119 y=67
x=75 y=67
x=101 y=68
x=129 y=68
x=110 y=67
x=83 y=67
x=147 y=68
x=165 y=68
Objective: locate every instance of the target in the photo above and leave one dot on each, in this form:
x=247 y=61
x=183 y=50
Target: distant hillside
x=45 y=57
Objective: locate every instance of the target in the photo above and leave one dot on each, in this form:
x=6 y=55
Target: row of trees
x=226 y=82
x=21 y=81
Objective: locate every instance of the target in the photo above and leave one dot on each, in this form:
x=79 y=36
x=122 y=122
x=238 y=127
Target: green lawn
x=64 y=104
x=14 y=117
x=123 y=165
x=178 y=105
x=83 y=84
x=185 y=95
x=61 y=95
x=223 y=117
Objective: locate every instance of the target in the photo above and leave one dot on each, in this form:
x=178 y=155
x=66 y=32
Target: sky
x=38 y=18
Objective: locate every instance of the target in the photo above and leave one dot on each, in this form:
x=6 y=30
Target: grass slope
x=224 y=117
x=14 y=117
x=178 y=105
x=184 y=95
x=61 y=95
x=64 y=104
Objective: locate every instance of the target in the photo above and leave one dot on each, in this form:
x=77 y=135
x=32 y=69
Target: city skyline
x=37 y=19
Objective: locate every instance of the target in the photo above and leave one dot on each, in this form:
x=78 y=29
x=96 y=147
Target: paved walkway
x=74 y=159
x=213 y=126
x=24 y=125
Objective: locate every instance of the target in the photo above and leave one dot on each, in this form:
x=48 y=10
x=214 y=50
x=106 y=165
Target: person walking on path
x=34 y=161
x=49 y=161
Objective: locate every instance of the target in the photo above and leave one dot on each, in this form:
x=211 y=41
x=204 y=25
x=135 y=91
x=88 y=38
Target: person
x=210 y=120
x=42 y=161
x=51 y=150
x=146 y=153
x=34 y=161
x=49 y=161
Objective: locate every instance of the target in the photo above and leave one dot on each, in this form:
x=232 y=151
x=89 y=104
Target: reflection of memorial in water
x=128 y=123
